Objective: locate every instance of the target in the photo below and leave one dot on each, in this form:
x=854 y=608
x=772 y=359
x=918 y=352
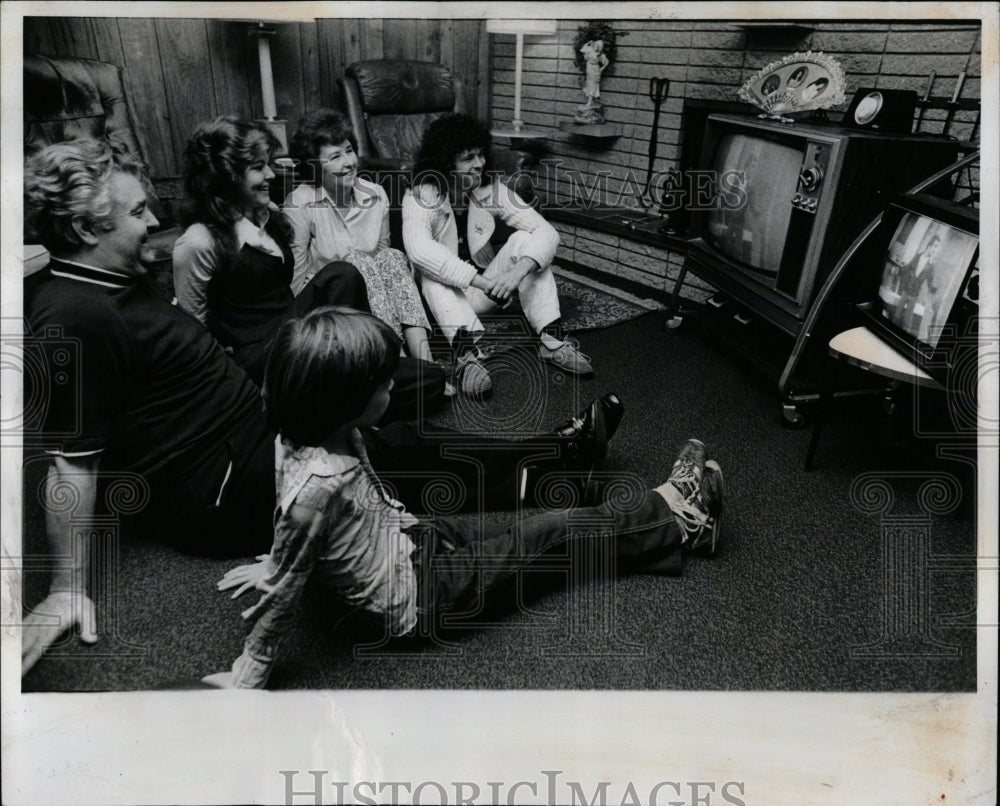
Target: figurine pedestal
x=590 y=114
x=603 y=131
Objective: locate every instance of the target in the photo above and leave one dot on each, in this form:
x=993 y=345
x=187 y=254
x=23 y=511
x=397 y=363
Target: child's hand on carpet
x=247 y=577
x=219 y=680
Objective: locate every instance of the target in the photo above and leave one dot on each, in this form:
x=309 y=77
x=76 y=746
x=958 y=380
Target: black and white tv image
x=924 y=268
x=927 y=267
x=789 y=199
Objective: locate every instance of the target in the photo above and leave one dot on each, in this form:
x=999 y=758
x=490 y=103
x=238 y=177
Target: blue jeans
x=455 y=569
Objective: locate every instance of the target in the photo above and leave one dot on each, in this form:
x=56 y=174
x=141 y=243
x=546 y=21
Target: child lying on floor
x=335 y=522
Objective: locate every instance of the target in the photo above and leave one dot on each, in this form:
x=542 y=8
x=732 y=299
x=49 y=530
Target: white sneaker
x=471 y=377
x=567 y=357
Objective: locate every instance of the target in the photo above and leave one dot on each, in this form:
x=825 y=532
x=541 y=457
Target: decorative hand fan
x=796 y=83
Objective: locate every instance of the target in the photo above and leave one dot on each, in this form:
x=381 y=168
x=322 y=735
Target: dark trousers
x=456 y=568
x=433 y=471
x=223 y=504
x=418 y=389
x=336 y=283
x=436 y=471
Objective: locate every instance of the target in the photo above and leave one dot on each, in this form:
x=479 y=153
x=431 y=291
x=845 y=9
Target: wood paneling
x=331 y=61
x=37 y=37
x=463 y=56
x=373 y=39
x=352 y=41
x=147 y=94
x=235 y=72
x=75 y=35
x=179 y=72
x=399 y=40
x=186 y=73
x=427 y=39
x=293 y=58
x=312 y=91
x=108 y=40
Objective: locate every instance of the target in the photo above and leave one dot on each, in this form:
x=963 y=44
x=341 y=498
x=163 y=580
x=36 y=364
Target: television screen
x=756 y=231
x=925 y=265
x=928 y=296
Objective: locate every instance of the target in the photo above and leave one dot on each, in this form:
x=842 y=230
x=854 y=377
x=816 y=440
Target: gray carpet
x=797 y=592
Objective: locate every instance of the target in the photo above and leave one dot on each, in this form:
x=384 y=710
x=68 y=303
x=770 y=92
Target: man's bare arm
x=67 y=603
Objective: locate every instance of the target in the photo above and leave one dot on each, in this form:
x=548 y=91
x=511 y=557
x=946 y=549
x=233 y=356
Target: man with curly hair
x=449 y=218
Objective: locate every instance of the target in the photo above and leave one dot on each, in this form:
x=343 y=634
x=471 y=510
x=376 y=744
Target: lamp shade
x=535 y=27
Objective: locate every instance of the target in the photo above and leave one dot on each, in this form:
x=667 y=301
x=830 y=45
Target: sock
x=464 y=342
x=552 y=334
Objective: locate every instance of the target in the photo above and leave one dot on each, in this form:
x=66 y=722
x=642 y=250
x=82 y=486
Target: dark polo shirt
x=143 y=383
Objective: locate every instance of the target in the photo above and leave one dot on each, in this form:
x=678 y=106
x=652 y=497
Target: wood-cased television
x=789 y=198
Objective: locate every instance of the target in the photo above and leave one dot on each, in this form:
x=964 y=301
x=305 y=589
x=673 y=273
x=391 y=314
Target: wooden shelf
x=630 y=223
x=524 y=134
x=776 y=26
x=596 y=131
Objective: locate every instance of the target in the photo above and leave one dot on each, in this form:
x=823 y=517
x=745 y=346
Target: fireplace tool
x=659 y=88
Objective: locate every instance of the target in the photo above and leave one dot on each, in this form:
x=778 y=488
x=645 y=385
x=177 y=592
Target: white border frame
x=227 y=747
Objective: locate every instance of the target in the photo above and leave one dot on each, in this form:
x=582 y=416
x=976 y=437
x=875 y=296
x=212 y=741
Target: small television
x=786 y=201
x=928 y=291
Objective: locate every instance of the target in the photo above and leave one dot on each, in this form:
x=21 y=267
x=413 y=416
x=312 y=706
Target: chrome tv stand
x=778 y=352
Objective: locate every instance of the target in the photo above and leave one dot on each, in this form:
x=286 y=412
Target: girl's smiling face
x=253 y=189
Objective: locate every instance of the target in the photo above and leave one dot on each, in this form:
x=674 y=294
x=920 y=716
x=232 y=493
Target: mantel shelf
x=597 y=131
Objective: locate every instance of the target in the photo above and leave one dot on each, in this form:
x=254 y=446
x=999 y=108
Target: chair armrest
x=351 y=98
x=510 y=161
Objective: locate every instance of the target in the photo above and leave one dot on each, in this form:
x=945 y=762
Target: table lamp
x=520 y=28
x=264 y=32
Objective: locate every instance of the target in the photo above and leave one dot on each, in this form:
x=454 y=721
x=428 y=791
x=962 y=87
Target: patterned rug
x=588 y=308
x=584 y=307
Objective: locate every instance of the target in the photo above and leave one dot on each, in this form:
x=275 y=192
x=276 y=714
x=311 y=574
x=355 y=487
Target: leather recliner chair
x=68 y=98
x=390 y=102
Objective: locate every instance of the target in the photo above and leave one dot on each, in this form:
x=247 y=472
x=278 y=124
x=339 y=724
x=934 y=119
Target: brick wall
x=702 y=60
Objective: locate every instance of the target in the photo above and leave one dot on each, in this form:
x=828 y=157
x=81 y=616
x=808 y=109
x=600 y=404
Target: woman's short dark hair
x=443 y=141
x=323 y=370
x=318 y=128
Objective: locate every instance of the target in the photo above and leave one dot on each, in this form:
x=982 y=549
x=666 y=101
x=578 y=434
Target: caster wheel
x=674 y=323
x=793 y=418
